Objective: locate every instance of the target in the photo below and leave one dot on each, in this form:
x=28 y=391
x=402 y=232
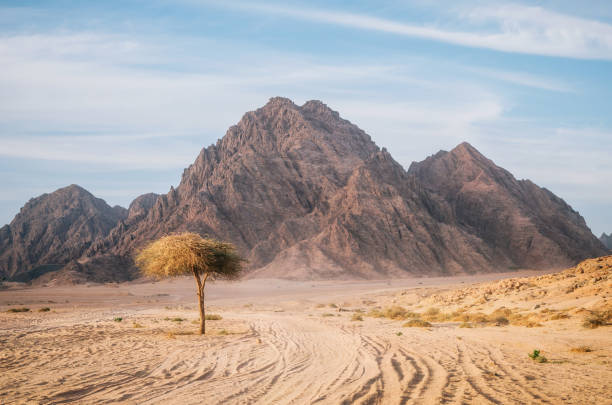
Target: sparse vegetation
x=45 y=309
x=332 y=305
x=136 y=325
x=223 y=332
x=356 y=317
x=537 y=357
x=466 y=325
x=327 y=314
x=399 y=333
x=581 y=349
x=418 y=323
x=118 y=319
x=189 y=253
x=597 y=319
x=19 y=310
x=213 y=317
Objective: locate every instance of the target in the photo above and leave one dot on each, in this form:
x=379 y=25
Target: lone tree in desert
x=189 y=253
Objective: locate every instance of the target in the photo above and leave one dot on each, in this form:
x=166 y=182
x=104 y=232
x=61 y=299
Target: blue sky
x=119 y=97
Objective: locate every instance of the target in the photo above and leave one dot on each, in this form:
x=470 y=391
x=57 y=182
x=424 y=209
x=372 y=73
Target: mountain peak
x=279 y=101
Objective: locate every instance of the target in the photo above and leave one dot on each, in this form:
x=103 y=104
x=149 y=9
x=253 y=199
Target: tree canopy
x=188 y=253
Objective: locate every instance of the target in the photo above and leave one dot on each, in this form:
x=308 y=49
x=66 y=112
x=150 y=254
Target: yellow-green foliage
x=186 y=253
x=213 y=317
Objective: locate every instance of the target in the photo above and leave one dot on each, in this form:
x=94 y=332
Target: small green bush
x=537 y=357
x=45 y=309
x=118 y=319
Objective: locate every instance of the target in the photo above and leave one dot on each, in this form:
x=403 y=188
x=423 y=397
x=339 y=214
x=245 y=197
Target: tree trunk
x=201 y=283
x=202 y=315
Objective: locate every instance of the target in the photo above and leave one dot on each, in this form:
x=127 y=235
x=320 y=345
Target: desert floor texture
x=283 y=342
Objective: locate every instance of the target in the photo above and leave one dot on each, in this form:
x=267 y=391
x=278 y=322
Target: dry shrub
x=397 y=312
x=597 y=319
x=327 y=314
x=418 y=323
x=581 y=349
x=375 y=313
x=213 y=317
x=466 y=325
x=136 y=325
x=320 y=306
x=356 y=317
x=45 y=309
x=19 y=310
x=500 y=321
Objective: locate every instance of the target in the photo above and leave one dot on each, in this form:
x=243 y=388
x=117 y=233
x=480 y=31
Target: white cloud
x=524 y=79
x=520 y=29
x=131 y=153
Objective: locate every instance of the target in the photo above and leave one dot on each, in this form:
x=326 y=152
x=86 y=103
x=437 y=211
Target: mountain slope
x=52 y=229
x=525 y=225
x=606 y=240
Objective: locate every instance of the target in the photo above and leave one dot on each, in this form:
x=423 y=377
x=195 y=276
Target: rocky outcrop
x=306 y=194
x=606 y=240
x=53 y=229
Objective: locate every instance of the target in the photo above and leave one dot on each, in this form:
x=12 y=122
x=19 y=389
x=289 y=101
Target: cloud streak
x=518 y=29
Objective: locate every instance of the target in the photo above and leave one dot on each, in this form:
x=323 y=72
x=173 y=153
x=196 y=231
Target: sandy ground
x=283 y=342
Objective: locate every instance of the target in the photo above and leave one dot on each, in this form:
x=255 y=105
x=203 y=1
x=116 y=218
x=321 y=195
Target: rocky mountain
x=606 y=240
x=306 y=194
x=523 y=225
x=53 y=229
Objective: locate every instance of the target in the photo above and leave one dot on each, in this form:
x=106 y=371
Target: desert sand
x=286 y=342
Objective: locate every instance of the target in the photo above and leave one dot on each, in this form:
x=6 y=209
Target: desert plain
x=457 y=340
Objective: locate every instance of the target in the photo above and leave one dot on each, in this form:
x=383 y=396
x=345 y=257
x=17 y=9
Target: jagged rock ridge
x=52 y=229
x=606 y=240
x=305 y=194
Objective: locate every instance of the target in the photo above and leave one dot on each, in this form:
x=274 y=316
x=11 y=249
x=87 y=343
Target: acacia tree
x=189 y=253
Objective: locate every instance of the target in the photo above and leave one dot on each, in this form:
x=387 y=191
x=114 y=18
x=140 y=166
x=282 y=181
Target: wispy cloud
x=517 y=28
x=523 y=79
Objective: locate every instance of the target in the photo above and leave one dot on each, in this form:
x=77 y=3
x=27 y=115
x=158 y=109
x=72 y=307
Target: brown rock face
x=306 y=194
x=524 y=225
x=52 y=229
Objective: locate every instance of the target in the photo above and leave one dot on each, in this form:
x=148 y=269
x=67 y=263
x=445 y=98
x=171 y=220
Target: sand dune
x=282 y=342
